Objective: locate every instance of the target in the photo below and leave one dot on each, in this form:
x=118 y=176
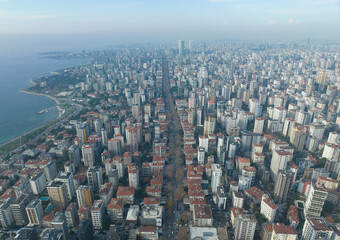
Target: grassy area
x=10 y=146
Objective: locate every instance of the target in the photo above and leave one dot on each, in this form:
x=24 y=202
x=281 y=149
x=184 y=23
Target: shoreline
x=38 y=127
x=24 y=134
x=42 y=95
x=25 y=91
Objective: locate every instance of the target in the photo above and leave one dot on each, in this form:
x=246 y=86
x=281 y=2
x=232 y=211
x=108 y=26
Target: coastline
x=42 y=95
x=44 y=125
x=38 y=127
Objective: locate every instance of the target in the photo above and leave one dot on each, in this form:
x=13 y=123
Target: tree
x=179 y=174
x=169 y=205
x=182 y=233
x=169 y=187
x=185 y=216
x=170 y=171
x=180 y=194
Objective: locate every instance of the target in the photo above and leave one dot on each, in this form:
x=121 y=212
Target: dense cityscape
x=205 y=141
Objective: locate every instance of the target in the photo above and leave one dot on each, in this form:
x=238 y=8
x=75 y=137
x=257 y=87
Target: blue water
x=19 y=111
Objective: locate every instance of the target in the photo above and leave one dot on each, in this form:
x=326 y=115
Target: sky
x=89 y=22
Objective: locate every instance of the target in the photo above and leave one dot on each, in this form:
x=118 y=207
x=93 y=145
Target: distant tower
x=321 y=80
x=181 y=47
x=190 y=45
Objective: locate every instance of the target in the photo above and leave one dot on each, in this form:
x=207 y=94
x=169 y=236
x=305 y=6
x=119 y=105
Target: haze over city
x=87 y=23
x=180 y=120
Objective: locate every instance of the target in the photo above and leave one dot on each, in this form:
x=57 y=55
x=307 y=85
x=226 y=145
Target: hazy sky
x=168 y=20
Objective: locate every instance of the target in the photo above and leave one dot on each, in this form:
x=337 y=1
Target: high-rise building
x=131 y=138
x=216 y=177
x=281 y=231
x=88 y=155
x=321 y=80
x=18 y=209
x=6 y=217
x=279 y=162
x=104 y=135
x=282 y=185
x=268 y=208
x=59 y=223
x=317 y=130
x=67 y=178
x=57 y=191
x=97 y=214
x=190 y=45
x=181 y=47
x=38 y=183
x=315 y=200
x=317 y=228
x=245 y=225
x=50 y=170
x=85 y=229
x=133 y=175
x=288 y=127
x=95 y=177
x=84 y=195
x=114 y=146
x=71 y=214
x=258 y=126
x=199 y=117
x=209 y=125
x=298 y=137
x=83 y=131
x=35 y=212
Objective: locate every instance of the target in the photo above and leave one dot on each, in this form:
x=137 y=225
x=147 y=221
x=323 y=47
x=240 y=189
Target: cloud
x=270 y=22
x=225 y=23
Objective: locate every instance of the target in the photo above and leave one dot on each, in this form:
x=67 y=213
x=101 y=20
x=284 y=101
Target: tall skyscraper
x=282 y=185
x=85 y=195
x=317 y=228
x=321 y=80
x=258 y=126
x=50 y=170
x=181 y=47
x=35 y=212
x=190 y=45
x=18 y=209
x=216 y=177
x=133 y=175
x=279 y=162
x=315 y=200
x=209 y=124
x=57 y=191
x=67 y=178
x=95 y=177
x=6 y=216
x=97 y=214
x=85 y=229
x=59 y=222
x=245 y=227
x=88 y=155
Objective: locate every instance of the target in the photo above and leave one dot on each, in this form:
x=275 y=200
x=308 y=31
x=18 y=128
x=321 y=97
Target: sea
x=19 y=111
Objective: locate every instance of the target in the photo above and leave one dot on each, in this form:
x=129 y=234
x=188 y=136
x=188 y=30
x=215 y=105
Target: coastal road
x=78 y=108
